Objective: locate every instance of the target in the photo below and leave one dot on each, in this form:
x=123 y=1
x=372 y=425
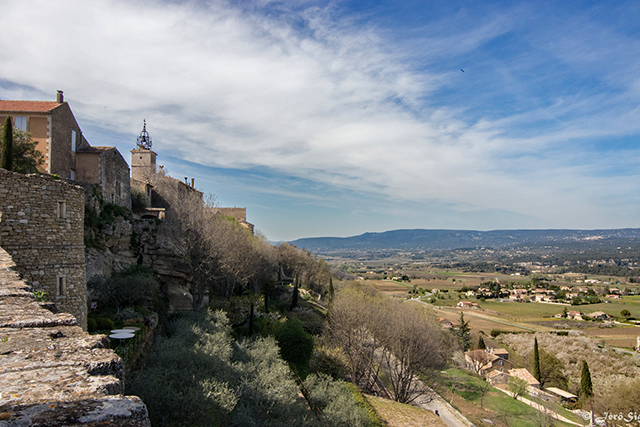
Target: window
x=118 y=189
x=60 y=289
x=20 y=123
x=73 y=175
x=61 y=211
x=73 y=140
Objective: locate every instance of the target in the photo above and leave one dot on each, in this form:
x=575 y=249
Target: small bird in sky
x=461 y=70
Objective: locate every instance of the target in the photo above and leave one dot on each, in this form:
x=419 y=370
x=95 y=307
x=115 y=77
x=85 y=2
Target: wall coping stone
x=53 y=373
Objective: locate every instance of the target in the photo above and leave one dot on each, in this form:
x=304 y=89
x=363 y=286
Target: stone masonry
x=42 y=228
x=52 y=374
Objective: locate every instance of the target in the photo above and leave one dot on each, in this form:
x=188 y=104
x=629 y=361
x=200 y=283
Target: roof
x=525 y=375
x=561 y=393
x=28 y=106
x=93 y=149
x=492 y=374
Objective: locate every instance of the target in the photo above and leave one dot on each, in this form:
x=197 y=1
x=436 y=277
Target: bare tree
x=411 y=344
x=215 y=248
x=377 y=332
x=478 y=360
x=352 y=312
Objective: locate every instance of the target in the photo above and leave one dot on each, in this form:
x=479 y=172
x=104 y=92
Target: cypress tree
x=251 y=320
x=331 y=290
x=481 y=344
x=464 y=333
x=536 y=360
x=294 y=297
x=586 y=387
x=7 y=145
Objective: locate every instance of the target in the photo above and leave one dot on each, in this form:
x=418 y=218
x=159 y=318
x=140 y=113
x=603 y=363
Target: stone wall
x=52 y=373
x=116 y=185
x=42 y=228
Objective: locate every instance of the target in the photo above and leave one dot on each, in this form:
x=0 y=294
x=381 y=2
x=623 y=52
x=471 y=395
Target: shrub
x=126 y=314
x=295 y=344
x=200 y=377
x=92 y=325
x=103 y=323
x=337 y=404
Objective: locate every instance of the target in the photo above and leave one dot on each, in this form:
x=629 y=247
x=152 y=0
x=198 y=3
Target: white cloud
x=231 y=87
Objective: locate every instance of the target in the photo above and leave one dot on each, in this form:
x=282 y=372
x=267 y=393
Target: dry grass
x=476 y=324
x=400 y=415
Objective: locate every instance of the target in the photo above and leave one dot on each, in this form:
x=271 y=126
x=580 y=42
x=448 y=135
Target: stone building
x=143 y=174
x=66 y=151
x=106 y=167
x=55 y=129
x=42 y=228
x=240 y=215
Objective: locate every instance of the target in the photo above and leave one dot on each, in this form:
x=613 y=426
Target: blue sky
x=334 y=118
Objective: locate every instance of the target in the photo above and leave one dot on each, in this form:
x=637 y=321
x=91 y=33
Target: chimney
x=60 y=97
x=185 y=180
x=193 y=180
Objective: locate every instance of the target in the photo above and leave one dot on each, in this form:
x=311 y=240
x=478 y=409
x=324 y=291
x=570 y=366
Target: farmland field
x=522 y=310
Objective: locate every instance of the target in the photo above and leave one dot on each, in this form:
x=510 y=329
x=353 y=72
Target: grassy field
x=467 y=393
x=400 y=415
x=520 y=316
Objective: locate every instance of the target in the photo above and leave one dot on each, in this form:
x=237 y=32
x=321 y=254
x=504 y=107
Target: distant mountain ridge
x=437 y=240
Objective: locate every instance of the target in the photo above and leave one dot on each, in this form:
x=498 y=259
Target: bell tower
x=143 y=159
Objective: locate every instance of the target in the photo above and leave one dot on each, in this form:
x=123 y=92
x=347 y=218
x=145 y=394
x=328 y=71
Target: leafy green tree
x=26 y=159
x=536 y=360
x=625 y=313
x=517 y=386
x=586 y=387
x=7 y=145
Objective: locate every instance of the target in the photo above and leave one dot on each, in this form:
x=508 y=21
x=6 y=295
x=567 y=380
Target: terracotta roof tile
x=28 y=106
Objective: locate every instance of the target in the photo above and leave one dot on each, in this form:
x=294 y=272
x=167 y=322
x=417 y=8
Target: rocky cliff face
x=52 y=373
x=145 y=241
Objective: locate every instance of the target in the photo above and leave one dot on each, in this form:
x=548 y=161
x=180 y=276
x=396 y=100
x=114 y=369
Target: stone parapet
x=52 y=372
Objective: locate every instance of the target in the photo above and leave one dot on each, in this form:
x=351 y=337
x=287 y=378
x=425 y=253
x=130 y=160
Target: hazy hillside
x=438 y=240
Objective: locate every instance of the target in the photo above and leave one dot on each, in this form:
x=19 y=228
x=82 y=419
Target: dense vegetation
x=199 y=376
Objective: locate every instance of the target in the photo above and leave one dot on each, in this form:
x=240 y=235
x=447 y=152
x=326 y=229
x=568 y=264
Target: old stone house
x=67 y=153
x=55 y=129
x=106 y=167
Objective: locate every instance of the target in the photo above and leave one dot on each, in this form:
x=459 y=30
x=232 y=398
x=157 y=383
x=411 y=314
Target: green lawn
x=496 y=404
x=631 y=303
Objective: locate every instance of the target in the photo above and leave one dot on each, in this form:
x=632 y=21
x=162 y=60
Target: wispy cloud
x=308 y=91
